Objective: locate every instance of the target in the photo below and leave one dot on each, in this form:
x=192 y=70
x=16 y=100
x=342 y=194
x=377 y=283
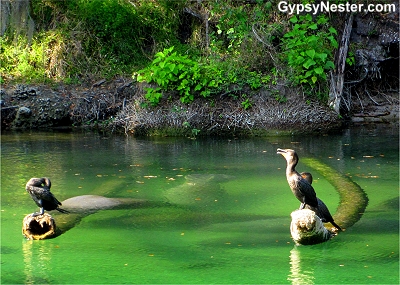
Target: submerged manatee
x=199 y=189
x=82 y=206
x=88 y=204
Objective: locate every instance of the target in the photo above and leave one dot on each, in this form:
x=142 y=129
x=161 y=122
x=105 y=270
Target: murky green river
x=219 y=212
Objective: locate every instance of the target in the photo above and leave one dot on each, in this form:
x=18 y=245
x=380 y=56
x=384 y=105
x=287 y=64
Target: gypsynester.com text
x=328 y=7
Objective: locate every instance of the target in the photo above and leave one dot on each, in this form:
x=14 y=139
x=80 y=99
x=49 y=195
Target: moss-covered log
x=353 y=200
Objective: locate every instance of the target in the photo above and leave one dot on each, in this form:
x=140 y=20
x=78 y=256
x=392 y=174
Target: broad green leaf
x=310 y=53
x=308 y=74
x=321 y=56
x=309 y=63
x=318 y=70
x=314 y=79
x=329 y=65
x=313 y=39
x=157 y=59
x=160 y=55
x=183 y=75
x=322 y=20
x=334 y=43
x=299 y=60
x=313 y=27
x=293 y=19
x=172 y=66
x=333 y=30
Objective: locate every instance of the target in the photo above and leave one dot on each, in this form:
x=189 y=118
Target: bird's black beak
x=280 y=151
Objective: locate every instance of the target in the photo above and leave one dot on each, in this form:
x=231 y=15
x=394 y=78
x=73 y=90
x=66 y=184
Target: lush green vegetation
x=308 y=48
x=173 y=71
x=79 y=39
x=194 y=49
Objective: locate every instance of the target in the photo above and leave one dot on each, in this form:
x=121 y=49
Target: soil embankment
x=117 y=105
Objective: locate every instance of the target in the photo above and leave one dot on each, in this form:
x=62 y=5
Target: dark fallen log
x=43 y=226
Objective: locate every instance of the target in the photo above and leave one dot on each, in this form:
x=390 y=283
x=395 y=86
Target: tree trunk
x=337 y=77
x=39 y=227
x=307 y=228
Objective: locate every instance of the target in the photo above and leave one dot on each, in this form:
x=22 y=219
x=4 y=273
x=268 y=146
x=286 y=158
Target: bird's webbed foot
x=38 y=214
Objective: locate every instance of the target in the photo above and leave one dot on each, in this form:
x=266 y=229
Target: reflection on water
x=37 y=261
x=220 y=210
x=299 y=275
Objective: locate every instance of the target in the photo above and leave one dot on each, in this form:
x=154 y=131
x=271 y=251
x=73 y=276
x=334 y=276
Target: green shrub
x=172 y=71
x=308 y=48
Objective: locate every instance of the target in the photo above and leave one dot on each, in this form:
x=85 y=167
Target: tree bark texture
x=38 y=227
x=337 y=77
x=307 y=228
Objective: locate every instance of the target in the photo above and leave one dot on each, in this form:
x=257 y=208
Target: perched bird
x=39 y=189
x=301 y=189
x=323 y=211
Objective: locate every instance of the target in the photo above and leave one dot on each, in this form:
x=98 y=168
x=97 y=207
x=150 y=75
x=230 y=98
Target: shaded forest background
x=196 y=49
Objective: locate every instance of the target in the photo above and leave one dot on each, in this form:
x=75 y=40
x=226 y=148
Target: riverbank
x=119 y=106
x=252 y=80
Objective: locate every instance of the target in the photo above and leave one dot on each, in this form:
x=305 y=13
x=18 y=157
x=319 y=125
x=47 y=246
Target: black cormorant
x=303 y=190
x=323 y=211
x=39 y=189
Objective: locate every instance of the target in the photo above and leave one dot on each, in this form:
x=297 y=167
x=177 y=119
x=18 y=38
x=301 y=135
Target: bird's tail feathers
x=336 y=226
x=62 y=211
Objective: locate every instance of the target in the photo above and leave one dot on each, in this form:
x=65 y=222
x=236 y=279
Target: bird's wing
x=53 y=198
x=309 y=193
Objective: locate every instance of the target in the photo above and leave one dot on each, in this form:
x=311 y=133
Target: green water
x=221 y=212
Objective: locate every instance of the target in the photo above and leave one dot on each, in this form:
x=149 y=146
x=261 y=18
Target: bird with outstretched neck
x=323 y=211
x=300 y=184
x=39 y=190
x=301 y=189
